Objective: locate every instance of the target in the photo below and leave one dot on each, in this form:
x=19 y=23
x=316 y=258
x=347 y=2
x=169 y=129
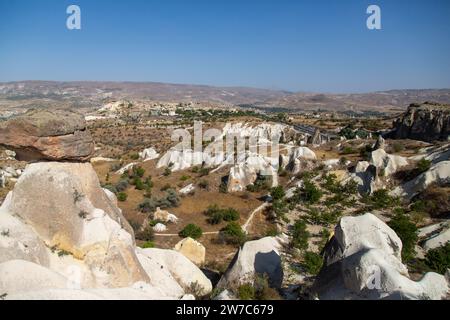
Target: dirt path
x=249 y=220
x=244 y=226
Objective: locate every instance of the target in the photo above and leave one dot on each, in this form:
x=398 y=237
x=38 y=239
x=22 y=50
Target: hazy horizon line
x=222 y=86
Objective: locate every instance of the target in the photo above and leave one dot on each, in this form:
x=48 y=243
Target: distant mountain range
x=85 y=93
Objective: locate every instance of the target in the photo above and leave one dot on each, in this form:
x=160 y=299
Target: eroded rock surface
x=47 y=135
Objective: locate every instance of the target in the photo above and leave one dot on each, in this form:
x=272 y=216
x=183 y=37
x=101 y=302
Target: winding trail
x=244 y=227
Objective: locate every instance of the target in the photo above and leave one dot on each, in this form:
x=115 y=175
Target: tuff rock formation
x=255 y=257
x=63 y=237
x=47 y=135
x=191 y=249
x=426 y=122
x=248 y=167
x=387 y=163
x=148 y=154
x=439 y=173
x=363 y=261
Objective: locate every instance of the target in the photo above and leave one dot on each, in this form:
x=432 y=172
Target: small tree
x=232 y=234
x=122 y=196
x=407 y=232
x=438 y=259
x=277 y=193
x=191 y=230
x=312 y=262
x=300 y=235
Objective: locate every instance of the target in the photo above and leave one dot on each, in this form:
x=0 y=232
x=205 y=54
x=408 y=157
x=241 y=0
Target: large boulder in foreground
x=69 y=212
x=41 y=134
x=259 y=257
x=363 y=261
x=176 y=266
x=63 y=237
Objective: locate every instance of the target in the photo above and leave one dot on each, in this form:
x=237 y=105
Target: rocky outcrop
x=160 y=227
x=380 y=143
x=439 y=173
x=180 y=159
x=148 y=154
x=426 y=122
x=434 y=153
x=363 y=261
x=316 y=138
x=247 y=169
x=191 y=249
x=47 y=135
x=63 y=237
x=435 y=236
x=297 y=156
x=365 y=175
x=188 y=189
x=386 y=163
x=260 y=257
x=165 y=216
x=175 y=265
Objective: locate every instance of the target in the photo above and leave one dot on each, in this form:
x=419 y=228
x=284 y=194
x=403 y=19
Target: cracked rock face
x=426 y=122
x=47 y=135
x=363 y=261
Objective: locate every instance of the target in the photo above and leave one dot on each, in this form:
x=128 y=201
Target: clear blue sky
x=298 y=45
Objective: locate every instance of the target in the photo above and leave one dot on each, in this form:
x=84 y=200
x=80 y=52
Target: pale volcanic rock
x=191 y=249
x=363 y=261
x=255 y=257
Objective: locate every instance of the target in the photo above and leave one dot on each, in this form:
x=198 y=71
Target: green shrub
x=261 y=183
x=170 y=200
x=191 y=230
x=438 y=259
x=122 y=185
x=423 y=165
x=277 y=193
x=381 y=199
x=309 y=193
x=184 y=178
x=323 y=217
x=246 y=292
x=348 y=150
x=134 y=156
x=216 y=214
x=300 y=235
x=138 y=184
x=279 y=208
x=195 y=169
x=148 y=244
x=407 y=232
x=122 y=196
x=272 y=231
x=138 y=171
x=230 y=215
x=111 y=188
x=232 y=234
x=204 y=172
x=312 y=262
